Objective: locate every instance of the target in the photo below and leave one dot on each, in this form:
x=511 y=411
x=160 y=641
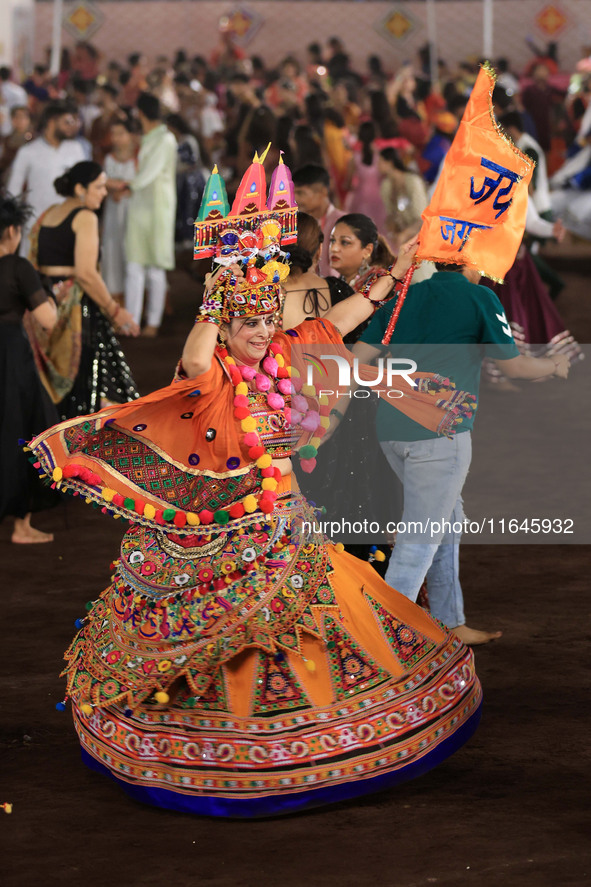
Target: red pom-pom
x=324 y=409
x=236 y=510
x=270 y=495
x=241 y=412
x=251 y=439
x=158 y=517
x=275 y=348
x=235 y=375
x=241 y=400
x=308 y=465
x=139 y=506
x=277 y=473
x=70 y=471
x=223 y=352
x=256 y=452
x=268 y=472
x=282 y=373
x=180 y=519
x=266 y=506
x=119 y=500
x=36 y=464
x=206 y=516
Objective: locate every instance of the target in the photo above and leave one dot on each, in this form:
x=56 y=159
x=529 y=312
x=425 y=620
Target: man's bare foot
x=473 y=637
x=25 y=534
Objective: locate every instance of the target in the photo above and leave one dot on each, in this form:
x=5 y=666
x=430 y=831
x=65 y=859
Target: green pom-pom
x=221 y=517
x=89 y=606
x=129 y=504
x=308 y=452
x=168 y=513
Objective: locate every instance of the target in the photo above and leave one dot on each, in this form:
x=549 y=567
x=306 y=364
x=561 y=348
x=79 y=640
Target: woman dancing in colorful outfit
x=239 y=664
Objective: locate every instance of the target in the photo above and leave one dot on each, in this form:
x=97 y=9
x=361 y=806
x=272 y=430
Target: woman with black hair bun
x=26 y=409
x=81 y=363
x=306 y=293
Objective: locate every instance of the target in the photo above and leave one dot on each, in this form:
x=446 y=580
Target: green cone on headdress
x=215 y=200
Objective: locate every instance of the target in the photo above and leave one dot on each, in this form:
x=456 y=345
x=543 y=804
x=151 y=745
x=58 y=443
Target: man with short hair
x=447 y=325
x=149 y=240
x=311 y=188
x=40 y=162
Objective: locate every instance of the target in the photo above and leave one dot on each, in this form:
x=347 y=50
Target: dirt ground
x=510 y=808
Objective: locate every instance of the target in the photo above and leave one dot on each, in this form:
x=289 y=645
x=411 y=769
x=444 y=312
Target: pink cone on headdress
x=281 y=191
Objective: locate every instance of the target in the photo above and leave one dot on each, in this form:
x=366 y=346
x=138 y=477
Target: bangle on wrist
x=116 y=311
x=334 y=412
x=208 y=318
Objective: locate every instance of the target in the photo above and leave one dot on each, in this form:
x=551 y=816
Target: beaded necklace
x=291 y=399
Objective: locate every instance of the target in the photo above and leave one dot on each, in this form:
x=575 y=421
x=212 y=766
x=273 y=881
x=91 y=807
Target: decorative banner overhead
x=243 y=23
x=82 y=19
x=397 y=25
x=552 y=20
x=476 y=216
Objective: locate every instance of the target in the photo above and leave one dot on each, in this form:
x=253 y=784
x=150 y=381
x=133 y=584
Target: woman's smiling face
x=248 y=339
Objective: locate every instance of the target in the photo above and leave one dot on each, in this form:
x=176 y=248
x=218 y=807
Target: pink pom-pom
x=275 y=401
x=275 y=348
x=311 y=421
x=251 y=439
x=284 y=386
x=241 y=400
x=263 y=383
x=300 y=403
x=270 y=365
x=308 y=465
x=296 y=383
x=248 y=373
x=292 y=417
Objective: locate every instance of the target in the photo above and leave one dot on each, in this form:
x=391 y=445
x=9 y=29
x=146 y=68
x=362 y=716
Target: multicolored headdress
x=252 y=233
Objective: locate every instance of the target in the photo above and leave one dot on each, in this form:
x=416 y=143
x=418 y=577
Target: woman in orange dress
x=239 y=664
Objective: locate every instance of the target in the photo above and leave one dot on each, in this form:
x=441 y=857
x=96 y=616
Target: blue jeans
x=432 y=473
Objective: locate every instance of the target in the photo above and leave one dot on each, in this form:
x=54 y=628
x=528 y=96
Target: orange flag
x=477 y=213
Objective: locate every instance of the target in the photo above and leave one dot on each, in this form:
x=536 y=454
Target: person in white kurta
x=149 y=241
x=120 y=167
x=39 y=163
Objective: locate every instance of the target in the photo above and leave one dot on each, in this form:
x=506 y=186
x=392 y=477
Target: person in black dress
x=26 y=409
x=81 y=363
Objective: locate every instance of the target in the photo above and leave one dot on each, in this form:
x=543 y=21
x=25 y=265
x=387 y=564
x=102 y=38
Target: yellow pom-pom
x=379 y=555
x=280 y=360
x=310 y=665
x=323 y=399
x=241 y=388
x=162 y=697
x=269 y=483
x=315 y=442
x=339 y=547
x=250 y=504
x=324 y=421
x=263 y=461
x=108 y=494
x=57 y=474
x=248 y=424
x=295 y=372
x=309 y=390
x=7 y=807
x=86 y=709
x=193 y=519
x=289 y=371
x=149 y=511
x=230 y=360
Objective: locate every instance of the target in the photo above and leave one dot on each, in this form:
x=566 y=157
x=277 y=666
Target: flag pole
x=56 y=39
x=487 y=30
x=432 y=38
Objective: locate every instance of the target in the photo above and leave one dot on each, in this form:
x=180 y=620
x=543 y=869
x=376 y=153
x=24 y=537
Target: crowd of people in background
x=134 y=141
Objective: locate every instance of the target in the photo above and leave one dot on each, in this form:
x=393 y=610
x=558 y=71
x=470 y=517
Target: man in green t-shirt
x=447 y=325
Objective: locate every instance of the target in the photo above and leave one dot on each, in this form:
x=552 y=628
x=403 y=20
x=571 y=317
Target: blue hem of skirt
x=277 y=805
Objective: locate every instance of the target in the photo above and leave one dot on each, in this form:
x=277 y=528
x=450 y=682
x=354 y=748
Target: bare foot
x=472 y=637
x=150 y=332
x=30 y=537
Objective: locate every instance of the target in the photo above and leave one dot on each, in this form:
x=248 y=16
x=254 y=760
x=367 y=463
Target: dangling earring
x=364 y=267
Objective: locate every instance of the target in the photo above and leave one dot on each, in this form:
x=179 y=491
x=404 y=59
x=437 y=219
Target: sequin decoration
x=233 y=462
x=210 y=434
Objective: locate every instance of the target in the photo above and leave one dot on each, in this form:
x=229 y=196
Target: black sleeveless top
x=56 y=243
